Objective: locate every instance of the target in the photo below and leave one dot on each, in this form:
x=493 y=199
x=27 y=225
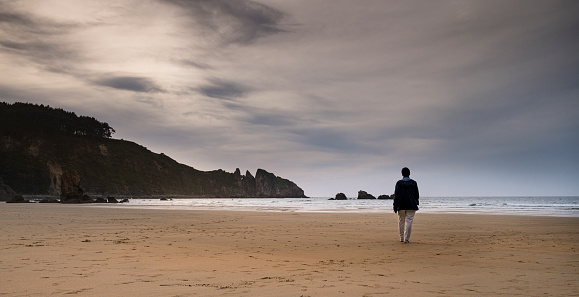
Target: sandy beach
x=62 y=250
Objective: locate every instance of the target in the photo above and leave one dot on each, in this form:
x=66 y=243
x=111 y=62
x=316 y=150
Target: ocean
x=534 y=206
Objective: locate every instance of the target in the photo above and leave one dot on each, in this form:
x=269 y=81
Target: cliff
x=33 y=162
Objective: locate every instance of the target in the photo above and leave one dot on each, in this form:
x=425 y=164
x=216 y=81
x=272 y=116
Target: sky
x=477 y=98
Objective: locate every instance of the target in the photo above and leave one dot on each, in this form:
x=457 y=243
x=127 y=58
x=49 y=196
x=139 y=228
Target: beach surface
x=84 y=250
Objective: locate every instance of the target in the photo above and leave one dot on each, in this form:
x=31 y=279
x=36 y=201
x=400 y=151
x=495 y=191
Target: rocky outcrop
x=250 y=185
x=365 y=195
x=70 y=189
x=6 y=192
x=17 y=199
x=340 y=196
x=271 y=186
x=246 y=186
x=386 y=196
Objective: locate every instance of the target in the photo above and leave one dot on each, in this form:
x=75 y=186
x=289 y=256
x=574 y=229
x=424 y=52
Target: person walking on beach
x=405 y=204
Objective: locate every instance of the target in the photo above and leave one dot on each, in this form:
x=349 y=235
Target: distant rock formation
x=271 y=186
x=245 y=184
x=340 y=196
x=386 y=196
x=365 y=195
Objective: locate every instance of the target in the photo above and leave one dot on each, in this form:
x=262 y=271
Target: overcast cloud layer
x=476 y=97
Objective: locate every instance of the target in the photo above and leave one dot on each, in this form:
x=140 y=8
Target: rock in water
x=386 y=196
x=365 y=195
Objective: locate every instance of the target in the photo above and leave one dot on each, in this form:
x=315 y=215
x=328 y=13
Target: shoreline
x=269 y=209
x=525 y=206
x=368 y=209
x=331 y=211
x=100 y=251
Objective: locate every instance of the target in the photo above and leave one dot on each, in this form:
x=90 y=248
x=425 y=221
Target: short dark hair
x=405 y=172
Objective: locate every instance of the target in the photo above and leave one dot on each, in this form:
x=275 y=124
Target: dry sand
x=62 y=250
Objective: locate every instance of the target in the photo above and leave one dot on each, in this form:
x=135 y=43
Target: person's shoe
x=406 y=241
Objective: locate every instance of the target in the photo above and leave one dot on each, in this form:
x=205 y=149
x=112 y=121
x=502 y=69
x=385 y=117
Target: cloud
x=233 y=22
x=38 y=39
x=14 y=19
x=195 y=64
x=129 y=83
x=271 y=119
x=223 y=89
x=157 y=104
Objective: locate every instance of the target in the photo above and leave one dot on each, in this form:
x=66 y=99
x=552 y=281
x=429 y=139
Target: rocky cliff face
x=45 y=150
x=245 y=184
x=269 y=185
x=38 y=165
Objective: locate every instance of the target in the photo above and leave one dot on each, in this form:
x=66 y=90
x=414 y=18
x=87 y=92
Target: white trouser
x=405 y=218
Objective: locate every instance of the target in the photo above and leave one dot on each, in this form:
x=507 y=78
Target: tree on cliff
x=19 y=118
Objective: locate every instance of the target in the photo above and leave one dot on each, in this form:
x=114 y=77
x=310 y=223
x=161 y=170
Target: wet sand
x=63 y=250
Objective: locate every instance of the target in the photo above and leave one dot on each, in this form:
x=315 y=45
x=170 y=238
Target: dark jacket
x=406 y=195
